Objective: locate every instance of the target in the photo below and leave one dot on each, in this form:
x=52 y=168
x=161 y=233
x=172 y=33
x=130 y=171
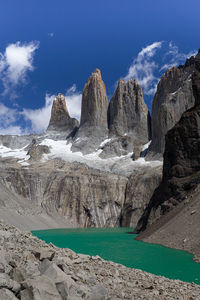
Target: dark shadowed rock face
x=94 y=107
x=181 y=170
x=127 y=112
x=174 y=96
x=60 y=118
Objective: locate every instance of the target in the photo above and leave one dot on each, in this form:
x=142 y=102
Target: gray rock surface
x=139 y=190
x=128 y=113
x=6 y=294
x=174 y=96
x=74 y=276
x=36 y=151
x=93 y=125
x=117 y=146
x=60 y=119
x=172 y=215
x=55 y=193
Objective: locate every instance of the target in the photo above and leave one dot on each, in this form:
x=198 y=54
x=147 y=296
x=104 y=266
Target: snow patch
x=146 y=146
x=16 y=153
x=106 y=141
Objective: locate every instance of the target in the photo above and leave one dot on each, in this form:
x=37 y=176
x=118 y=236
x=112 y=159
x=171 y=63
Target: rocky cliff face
x=176 y=197
x=174 y=96
x=93 y=125
x=80 y=195
x=139 y=191
x=127 y=112
x=60 y=119
x=94 y=106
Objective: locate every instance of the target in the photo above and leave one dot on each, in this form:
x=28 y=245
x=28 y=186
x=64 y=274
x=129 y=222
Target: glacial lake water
x=117 y=245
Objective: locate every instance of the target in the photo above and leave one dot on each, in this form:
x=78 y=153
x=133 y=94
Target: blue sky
x=49 y=46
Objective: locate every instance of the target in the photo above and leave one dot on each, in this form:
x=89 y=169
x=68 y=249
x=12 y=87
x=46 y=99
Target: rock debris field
x=31 y=269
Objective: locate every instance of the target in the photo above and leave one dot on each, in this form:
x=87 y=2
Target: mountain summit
x=128 y=113
x=60 y=119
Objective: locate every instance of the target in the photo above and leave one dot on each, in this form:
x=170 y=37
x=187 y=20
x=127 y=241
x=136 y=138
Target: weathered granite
x=93 y=124
x=176 y=198
x=174 y=96
x=60 y=119
x=128 y=113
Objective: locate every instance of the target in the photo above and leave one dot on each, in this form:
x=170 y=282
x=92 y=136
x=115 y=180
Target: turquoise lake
x=117 y=245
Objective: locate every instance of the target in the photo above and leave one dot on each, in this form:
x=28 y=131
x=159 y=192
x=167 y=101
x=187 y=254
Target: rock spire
x=93 y=124
x=128 y=113
x=94 y=105
x=60 y=119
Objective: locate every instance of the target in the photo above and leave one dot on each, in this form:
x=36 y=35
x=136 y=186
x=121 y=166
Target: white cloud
x=15 y=62
x=142 y=68
x=39 y=118
x=51 y=34
x=152 y=61
x=7 y=115
x=174 y=57
x=8 y=118
x=12 y=130
x=73 y=101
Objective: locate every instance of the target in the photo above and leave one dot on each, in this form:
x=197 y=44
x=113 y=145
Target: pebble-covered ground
x=31 y=269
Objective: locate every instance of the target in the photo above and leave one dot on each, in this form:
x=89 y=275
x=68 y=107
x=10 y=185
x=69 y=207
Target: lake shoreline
x=81 y=276
x=102 y=237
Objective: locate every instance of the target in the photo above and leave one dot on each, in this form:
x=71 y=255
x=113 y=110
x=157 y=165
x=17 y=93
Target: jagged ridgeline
x=173 y=213
x=125 y=120
x=89 y=174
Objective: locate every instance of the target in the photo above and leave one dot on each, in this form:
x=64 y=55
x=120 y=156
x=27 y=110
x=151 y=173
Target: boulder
x=6 y=294
x=6 y=282
x=41 y=288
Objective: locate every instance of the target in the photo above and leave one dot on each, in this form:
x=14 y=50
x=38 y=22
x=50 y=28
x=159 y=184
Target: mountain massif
x=172 y=215
x=106 y=171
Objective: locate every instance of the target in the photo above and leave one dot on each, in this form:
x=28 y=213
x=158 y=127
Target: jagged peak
x=96 y=78
x=97 y=72
x=60 y=118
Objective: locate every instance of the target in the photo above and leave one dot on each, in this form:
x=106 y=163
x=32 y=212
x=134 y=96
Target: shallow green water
x=117 y=245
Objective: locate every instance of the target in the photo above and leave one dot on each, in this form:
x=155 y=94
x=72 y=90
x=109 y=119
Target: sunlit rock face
x=60 y=119
x=174 y=96
x=93 y=124
x=128 y=113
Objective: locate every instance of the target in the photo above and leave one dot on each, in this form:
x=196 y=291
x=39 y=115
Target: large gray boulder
x=40 y=288
x=7 y=294
x=128 y=113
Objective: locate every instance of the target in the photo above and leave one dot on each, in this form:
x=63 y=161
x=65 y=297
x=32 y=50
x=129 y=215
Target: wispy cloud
x=39 y=118
x=8 y=119
x=73 y=101
x=51 y=34
x=15 y=62
x=152 y=61
x=174 y=57
x=143 y=66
